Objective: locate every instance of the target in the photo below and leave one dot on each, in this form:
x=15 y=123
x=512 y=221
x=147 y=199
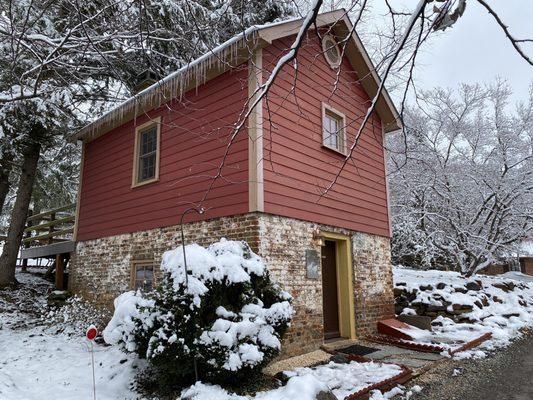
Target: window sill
x=144 y=183
x=335 y=150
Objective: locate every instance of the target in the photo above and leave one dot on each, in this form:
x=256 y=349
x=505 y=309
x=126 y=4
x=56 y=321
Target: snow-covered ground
x=501 y=305
x=37 y=363
x=44 y=355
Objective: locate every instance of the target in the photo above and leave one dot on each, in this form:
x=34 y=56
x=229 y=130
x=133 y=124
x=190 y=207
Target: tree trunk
x=6 y=165
x=8 y=259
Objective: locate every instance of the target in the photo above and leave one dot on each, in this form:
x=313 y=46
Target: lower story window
x=142 y=275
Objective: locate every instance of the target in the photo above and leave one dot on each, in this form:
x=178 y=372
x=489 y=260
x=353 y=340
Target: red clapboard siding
x=297 y=168
x=194 y=136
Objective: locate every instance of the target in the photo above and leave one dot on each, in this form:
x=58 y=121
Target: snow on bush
x=226 y=313
x=464 y=308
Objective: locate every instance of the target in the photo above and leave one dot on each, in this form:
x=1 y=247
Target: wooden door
x=330 y=301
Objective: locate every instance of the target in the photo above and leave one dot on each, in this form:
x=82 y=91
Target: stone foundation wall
x=101 y=268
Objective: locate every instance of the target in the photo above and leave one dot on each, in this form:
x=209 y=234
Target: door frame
x=345 y=289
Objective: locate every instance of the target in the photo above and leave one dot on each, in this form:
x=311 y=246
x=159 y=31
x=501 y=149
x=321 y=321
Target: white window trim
x=342 y=149
x=325 y=48
x=135 y=173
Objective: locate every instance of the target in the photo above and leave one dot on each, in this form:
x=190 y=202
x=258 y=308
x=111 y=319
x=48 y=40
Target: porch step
x=332 y=345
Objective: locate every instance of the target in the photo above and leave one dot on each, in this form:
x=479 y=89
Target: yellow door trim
x=345 y=294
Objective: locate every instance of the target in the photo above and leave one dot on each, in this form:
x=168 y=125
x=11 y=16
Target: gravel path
x=506 y=374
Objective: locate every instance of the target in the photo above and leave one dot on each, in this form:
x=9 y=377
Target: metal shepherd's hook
x=200 y=211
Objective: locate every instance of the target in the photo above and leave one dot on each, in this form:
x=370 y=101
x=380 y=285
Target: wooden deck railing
x=50 y=226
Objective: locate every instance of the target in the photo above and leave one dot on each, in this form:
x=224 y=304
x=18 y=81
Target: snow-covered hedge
x=228 y=314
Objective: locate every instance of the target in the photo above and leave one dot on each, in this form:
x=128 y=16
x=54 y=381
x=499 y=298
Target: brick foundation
x=101 y=268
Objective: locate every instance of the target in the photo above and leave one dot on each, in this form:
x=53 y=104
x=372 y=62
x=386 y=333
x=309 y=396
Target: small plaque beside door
x=312 y=262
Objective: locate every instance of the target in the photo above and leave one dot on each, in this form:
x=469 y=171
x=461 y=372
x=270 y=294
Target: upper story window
x=146 y=157
x=333 y=129
x=142 y=275
x=331 y=51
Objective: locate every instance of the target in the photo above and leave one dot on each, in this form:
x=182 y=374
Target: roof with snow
x=234 y=52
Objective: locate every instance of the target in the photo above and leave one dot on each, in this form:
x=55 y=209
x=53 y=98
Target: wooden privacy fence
x=50 y=227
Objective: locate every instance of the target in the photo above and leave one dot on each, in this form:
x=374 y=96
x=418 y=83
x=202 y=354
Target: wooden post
x=60 y=266
x=26 y=245
x=51 y=228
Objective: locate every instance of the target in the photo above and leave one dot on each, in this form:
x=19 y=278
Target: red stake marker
x=91 y=334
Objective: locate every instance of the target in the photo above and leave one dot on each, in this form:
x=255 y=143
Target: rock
x=58 y=297
x=282 y=377
x=462 y=307
x=473 y=286
x=460 y=289
x=511 y=315
x=435 y=308
x=441 y=285
x=398 y=308
x=340 y=359
x=425 y=288
x=497 y=299
x=505 y=286
x=398 y=292
x=401 y=284
x=420 y=321
x=325 y=395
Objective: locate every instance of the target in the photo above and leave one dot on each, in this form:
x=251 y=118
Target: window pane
x=332 y=130
x=147 y=154
x=148 y=141
x=147 y=167
x=144 y=277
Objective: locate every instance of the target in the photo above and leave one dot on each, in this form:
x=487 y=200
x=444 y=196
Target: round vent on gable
x=331 y=51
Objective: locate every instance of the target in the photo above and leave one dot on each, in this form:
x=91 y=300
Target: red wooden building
x=157 y=154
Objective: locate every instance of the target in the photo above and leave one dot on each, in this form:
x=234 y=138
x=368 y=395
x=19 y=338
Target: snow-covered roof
x=236 y=51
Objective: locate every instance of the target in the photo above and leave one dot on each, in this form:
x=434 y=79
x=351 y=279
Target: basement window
x=333 y=129
x=147 y=149
x=142 y=275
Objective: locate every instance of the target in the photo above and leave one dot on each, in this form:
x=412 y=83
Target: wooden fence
x=50 y=226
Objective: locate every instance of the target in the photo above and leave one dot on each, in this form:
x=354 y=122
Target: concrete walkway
x=416 y=360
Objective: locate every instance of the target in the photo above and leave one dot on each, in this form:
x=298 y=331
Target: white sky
x=475 y=49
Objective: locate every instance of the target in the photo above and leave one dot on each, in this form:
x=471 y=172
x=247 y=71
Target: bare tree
x=63 y=61
x=90 y=52
x=463 y=193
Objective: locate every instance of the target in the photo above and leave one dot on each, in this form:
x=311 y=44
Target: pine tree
x=228 y=316
x=69 y=61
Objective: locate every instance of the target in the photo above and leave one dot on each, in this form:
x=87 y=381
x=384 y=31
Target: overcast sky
x=475 y=49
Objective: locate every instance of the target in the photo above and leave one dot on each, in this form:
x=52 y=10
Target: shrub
x=228 y=315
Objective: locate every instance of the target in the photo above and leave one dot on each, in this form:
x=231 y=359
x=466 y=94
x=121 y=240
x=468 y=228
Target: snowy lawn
x=44 y=355
x=38 y=363
x=466 y=308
